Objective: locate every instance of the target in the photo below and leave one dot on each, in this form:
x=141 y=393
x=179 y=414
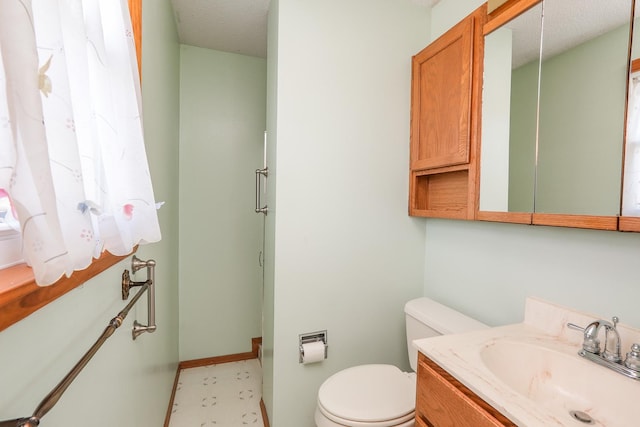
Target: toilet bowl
x=367 y=395
x=383 y=395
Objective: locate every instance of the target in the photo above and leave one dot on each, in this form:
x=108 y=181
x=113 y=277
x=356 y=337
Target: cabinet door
x=445 y=108
x=441 y=100
x=442 y=401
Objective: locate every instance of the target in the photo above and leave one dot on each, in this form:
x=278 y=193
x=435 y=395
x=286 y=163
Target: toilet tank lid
x=441 y=318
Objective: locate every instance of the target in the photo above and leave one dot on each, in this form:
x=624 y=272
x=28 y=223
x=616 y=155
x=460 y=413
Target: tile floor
x=222 y=395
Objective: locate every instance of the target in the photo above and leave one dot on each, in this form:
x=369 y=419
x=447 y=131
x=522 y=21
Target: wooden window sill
x=20 y=296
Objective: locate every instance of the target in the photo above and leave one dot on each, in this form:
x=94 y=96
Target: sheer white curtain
x=72 y=154
x=631 y=186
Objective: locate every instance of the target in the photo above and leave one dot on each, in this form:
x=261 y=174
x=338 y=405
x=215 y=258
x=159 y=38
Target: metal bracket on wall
x=127 y=283
x=260 y=173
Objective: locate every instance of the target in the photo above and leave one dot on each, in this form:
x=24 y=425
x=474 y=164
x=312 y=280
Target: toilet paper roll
x=312 y=352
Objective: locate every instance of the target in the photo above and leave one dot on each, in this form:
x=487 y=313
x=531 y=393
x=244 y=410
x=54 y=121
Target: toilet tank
x=428 y=318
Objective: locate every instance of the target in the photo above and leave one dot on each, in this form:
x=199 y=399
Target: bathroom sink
x=560 y=383
x=531 y=371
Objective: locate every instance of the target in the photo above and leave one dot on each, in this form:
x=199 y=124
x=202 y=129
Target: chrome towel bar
x=52 y=398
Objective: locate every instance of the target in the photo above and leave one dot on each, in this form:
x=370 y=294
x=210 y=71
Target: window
x=19 y=295
x=10 y=242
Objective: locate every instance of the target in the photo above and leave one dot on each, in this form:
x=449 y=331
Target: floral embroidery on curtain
x=72 y=155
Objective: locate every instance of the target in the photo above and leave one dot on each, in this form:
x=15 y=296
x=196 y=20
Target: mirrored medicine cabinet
x=554 y=106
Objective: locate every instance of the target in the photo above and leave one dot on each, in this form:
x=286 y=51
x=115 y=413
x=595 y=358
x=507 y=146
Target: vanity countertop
x=522 y=349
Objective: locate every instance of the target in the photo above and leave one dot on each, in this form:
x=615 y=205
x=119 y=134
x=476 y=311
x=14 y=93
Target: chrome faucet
x=591 y=342
x=610 y=358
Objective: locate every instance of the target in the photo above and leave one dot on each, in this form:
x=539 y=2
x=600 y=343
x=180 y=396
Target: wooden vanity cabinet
x=445 y=111
x=442 y=401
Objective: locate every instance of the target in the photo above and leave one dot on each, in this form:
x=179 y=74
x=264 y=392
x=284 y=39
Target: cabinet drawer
x=442 y=401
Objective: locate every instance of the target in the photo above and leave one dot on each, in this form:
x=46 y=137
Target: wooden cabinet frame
x=445 y=123
x=502 y=14
x=443 y=401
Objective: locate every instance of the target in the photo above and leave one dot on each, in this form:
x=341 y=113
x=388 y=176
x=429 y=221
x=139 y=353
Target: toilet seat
x=369 y=395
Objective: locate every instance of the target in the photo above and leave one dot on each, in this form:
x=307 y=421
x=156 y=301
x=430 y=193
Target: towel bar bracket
x=127 y=283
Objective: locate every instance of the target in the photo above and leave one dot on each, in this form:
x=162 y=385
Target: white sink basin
x=531 y=371
x=566 y=386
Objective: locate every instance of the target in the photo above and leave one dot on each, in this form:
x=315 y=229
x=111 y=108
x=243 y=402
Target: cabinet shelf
x=440 y=194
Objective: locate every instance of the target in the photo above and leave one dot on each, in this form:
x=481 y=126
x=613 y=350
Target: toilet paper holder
x=320 y=336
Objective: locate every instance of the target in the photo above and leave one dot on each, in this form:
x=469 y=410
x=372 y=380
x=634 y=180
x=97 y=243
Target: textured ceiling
x=567 y=23
x=238 y=26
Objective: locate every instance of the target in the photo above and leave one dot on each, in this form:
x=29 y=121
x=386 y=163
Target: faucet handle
x=633 y=358
x=613 y=355
x=591 y=343
x=575 y=327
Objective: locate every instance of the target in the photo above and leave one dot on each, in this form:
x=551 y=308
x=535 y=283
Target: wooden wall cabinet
x=442 y=401
x=445 y=111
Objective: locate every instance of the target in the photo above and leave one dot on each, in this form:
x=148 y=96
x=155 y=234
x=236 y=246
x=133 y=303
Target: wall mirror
x=570 y=101
x=509 y=114
x=583 y=82
x=631 y=181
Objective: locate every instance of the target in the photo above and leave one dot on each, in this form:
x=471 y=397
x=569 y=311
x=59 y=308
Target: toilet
x=383 y=395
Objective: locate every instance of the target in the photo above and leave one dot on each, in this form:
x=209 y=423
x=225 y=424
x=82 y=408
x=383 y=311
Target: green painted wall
x=522 y=137
x=589 y=270
x=268 y=314
x=342 y=254
x=582 y=102
x=128 y=382
x=222 y=124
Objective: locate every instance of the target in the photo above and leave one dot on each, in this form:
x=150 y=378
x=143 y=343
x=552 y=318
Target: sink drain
x=583 y=417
